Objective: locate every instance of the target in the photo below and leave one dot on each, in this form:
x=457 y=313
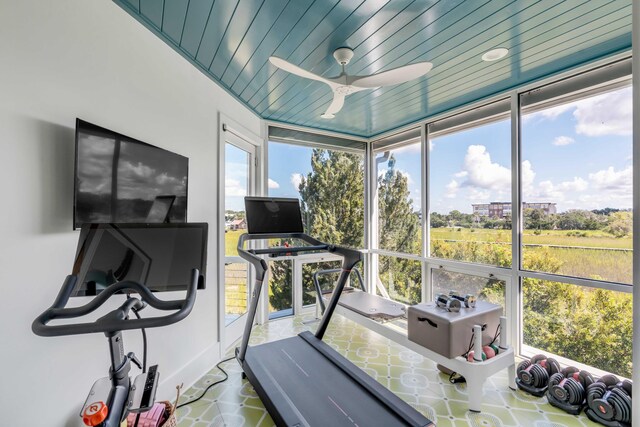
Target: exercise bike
x=112 y=398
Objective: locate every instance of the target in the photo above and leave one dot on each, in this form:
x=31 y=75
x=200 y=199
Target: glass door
x=239 y=181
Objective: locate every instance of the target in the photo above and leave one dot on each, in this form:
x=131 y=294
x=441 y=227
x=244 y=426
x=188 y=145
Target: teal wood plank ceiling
x=231 y=40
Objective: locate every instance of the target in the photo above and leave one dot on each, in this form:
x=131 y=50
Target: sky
x=577 y=155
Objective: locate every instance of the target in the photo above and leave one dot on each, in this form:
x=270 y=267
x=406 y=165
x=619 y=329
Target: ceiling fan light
x=495 y=54
x=327 y=116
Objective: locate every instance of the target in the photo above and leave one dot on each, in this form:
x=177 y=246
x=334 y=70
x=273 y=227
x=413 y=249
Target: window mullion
x=514 y=290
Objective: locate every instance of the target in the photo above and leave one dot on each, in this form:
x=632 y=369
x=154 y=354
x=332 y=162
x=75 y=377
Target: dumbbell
x=569 y=386
x=609 y=399
x=536 y=371
x=491 y=350
x=469 y=300
x=488 y=352
x=448 y=303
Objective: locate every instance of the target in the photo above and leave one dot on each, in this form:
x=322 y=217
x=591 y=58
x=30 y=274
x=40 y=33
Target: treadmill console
x=267 y=215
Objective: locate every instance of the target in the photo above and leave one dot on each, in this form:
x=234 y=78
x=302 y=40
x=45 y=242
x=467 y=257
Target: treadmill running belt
x=307 y=388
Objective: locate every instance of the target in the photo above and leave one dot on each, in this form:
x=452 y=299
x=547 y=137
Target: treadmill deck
x=303 y=381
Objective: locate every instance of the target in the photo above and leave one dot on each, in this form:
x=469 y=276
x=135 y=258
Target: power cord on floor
x=226 y=376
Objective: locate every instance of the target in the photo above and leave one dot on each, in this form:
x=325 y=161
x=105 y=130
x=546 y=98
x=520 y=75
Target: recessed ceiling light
x=327 y=116
x=495 y=54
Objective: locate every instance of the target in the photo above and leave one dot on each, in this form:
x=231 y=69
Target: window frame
x=612 y=73
x=408 y=137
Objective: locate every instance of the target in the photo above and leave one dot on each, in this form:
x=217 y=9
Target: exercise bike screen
x=159 y=256
x=273 y=215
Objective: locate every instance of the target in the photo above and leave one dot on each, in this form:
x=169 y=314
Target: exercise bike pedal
x=143 y=391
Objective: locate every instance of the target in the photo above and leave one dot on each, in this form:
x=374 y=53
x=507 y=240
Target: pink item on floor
x=154 y=417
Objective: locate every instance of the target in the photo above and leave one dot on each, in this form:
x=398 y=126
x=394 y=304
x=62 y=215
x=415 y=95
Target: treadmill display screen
x=159 y=256
x=273 y=215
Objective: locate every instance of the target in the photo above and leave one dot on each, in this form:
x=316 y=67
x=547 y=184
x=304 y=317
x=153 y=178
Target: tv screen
x=119 y=179
x=273 y=215
x=159 y=256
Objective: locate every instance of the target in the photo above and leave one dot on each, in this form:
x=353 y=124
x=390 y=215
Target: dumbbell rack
x=475 y=373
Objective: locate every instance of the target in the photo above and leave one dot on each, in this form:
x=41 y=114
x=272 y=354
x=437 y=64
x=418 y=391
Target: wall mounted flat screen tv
x=119 y=179
x=159 y=256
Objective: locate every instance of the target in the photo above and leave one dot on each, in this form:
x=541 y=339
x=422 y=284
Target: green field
x=231 y=242
x=598 y=239
x=588 y=254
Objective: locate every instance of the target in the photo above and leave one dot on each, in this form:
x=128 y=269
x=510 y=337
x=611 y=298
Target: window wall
x=532 y=214
x=576 y=186
x=576 y=179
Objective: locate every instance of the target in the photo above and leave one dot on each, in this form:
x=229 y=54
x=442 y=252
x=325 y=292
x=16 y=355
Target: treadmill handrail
x=277 y=250
x=351 y=258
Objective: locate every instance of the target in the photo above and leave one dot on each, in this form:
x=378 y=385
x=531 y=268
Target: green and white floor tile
x=415 y=379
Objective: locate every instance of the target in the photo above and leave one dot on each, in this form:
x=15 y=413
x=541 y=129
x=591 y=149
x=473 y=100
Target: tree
x=577 y=219
x=437 y=220
x=280 y=283
x=398 y=224
x=399 y=231
x=333 y=198
x=620 y=224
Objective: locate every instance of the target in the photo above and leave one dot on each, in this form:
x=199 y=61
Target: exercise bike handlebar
x=111 y=323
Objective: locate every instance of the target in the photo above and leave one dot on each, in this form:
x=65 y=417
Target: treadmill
x=301 y=380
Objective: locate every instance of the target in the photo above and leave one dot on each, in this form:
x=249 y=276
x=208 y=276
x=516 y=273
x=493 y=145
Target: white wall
x=87 y=58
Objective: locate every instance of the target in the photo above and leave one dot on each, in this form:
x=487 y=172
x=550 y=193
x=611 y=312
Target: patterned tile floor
x=415 y=379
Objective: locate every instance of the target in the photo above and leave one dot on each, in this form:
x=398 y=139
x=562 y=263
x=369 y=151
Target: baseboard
x=195 y=369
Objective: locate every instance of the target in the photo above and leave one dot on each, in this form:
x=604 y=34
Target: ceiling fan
x=345 y=84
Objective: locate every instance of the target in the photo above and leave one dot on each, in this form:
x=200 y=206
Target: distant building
x=238 y=224
x=503 y=209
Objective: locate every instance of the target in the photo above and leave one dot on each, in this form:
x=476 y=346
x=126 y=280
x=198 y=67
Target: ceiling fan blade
x=294 y=69
x=336 y=104
x=394 y=76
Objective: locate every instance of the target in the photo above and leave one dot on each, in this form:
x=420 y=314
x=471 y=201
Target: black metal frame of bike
x=112 y=325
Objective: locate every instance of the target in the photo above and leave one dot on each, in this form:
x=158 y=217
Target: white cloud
x=548 y=191
x=612 y=180
x=273 y=184
x=452 y=189
x=296 y=179
x=232 y=187
x=563 y=140
x=527 y=175
x=479 y=195
x=606 y=114
x=482 y=172
x=577 y=184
